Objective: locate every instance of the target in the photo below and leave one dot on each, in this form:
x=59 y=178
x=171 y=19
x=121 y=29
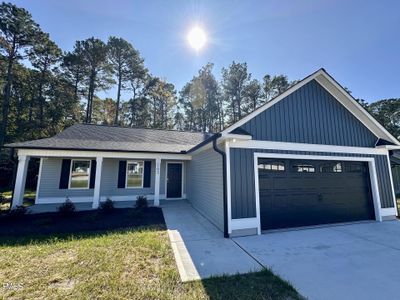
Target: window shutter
x=64 y=177
x=122 y=174
x=147 y=174
x=92 y=174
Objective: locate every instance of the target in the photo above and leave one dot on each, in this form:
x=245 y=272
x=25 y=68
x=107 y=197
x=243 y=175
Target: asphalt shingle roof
x=113 y=138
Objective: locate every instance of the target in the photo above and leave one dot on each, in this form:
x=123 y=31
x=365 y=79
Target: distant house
x=310 y=156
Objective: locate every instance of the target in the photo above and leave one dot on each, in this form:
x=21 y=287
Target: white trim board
x=104 y=154
x=255 y=144
x=379 y=212
x=89 y=199
x=326 y=81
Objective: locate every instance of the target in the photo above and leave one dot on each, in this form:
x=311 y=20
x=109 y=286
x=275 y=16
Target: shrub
x=17 y=212
x=141 y=202
x=67 y=208
x=107 y=206
x=3 y=198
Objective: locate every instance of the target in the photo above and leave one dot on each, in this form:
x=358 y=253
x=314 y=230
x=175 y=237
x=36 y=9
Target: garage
x=296 y=193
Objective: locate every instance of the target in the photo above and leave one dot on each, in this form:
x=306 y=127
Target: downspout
x=225 y=199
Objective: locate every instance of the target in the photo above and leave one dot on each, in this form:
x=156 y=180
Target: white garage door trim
x=371 y=166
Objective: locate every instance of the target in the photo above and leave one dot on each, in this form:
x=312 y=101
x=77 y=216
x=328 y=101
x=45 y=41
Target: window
x=272 y=166
x=355 y=167
x=79 y=175
x=303 y=168
x=134 y=174
x=333 y=167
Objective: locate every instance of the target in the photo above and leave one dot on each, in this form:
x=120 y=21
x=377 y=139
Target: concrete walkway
x=357 y=261
x=199 y=248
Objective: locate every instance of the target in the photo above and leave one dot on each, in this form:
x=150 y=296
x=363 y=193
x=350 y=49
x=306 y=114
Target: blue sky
x=357 y=41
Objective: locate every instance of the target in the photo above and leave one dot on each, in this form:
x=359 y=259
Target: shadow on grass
x=258 y=285
x=47 y=227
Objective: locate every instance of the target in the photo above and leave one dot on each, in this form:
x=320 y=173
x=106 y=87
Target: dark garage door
x=297 y=193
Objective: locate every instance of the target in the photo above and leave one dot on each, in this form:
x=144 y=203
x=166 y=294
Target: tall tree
x=200 y=101
x=234 y=81
x=17 y=34
x=253 y=95
x=74 y=69
x=43 y=56
x=274 y=85
x=98 y=76
x=387 y=112
x=127 y=65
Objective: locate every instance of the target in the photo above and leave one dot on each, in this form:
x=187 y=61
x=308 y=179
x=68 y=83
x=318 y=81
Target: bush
x=107 y=206
x=3 y=199
x=17 y=212
x=141 y=202
x=67 y=208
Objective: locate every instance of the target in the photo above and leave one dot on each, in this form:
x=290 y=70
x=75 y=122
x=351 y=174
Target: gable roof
x=112 y=138
x=338 y=92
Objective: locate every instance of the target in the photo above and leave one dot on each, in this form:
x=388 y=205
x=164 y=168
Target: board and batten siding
x=205 y=185
x=310 y=115
x=396 y=178
x=243 y=200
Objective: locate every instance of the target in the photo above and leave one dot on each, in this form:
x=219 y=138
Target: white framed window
x=334 y=167
x=79 y=175
x=134 y=174
x=273 y=166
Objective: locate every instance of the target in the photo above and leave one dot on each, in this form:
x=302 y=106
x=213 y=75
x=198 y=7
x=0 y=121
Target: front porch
x=88 y=178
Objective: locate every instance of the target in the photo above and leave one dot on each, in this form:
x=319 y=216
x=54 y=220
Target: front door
x=174 y=180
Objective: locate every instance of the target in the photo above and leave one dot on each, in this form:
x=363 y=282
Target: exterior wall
x=50 y=180
x=109 y=181
x=205 y=189
x=396 y=179
x=310 y=115
x=49 y=191
x=163 y=174
x=243 y=203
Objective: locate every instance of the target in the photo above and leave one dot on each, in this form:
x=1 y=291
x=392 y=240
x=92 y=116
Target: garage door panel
x=290 y=198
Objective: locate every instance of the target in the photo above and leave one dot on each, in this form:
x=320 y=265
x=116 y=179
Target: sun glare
x=197 y=38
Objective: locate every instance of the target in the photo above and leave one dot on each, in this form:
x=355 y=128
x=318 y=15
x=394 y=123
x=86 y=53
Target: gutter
x=225 y=199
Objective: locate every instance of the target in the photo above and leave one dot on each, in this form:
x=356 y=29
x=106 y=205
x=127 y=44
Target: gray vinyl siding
x=109 y=181
x=310 y=115
x=51 y=172
x=242 y=178
x=205 y=185
x=50 y=180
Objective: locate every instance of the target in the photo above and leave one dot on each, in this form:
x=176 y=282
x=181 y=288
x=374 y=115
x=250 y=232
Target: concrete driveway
x=357 y=261
x=199 y=248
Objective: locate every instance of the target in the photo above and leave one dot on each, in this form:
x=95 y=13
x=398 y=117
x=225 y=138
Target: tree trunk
x=118 y=97
x=6 y=99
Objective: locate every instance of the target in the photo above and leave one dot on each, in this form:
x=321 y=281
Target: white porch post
x=157 y=183
x=19 y=188
x=97 y=182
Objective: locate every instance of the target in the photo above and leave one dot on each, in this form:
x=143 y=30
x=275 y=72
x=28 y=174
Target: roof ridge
x=143 y=128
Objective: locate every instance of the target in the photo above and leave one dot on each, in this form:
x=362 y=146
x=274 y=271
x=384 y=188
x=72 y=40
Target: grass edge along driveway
x=134 y=262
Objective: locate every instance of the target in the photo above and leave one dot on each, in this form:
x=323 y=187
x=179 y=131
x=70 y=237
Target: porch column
x=157 y=183
x=97 y=182
x=19 y=188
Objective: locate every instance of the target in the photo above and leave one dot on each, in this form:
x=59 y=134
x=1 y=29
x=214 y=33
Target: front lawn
x=29 y=199
x=132 y=262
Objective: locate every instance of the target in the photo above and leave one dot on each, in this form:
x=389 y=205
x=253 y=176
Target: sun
x=197 y=38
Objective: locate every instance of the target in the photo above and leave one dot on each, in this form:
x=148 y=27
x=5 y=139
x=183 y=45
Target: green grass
x=136 y=263
x=29 y=199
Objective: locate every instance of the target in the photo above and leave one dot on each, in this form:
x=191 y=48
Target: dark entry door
x=174 y=180
x=296 y=193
